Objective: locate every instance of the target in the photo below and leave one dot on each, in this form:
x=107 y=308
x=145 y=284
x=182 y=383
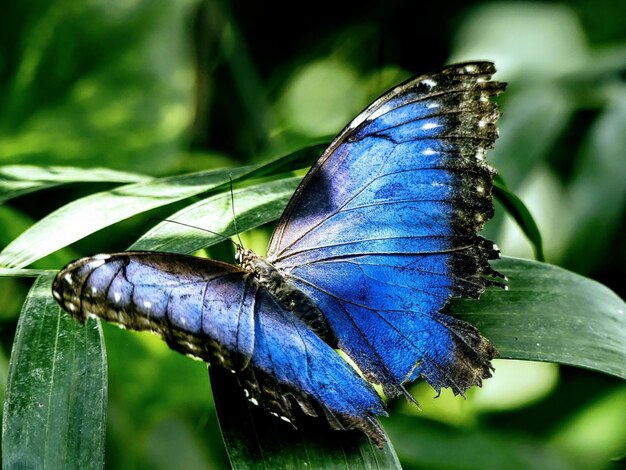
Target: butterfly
x=381 y=233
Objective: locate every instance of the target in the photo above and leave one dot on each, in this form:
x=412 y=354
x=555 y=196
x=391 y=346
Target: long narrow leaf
x=522 y=216
x=254 y=205
x=551 y=314
x=54 y=411
x=255 y=439
x=10 y=272
x=92 y=213
x=277 y=446
x=17 y=180
x=548 y=314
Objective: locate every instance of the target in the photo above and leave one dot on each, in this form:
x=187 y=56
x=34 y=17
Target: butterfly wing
x=382 y=232
x=216 y=312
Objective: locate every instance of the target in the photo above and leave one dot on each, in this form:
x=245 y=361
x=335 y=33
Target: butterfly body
x=379 y=236
x=290 y=297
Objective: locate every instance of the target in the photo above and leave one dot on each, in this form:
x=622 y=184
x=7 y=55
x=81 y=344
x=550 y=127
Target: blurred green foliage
x=161 y=88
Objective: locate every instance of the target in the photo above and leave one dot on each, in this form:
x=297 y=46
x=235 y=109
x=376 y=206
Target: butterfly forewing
x=199 y=307
x=383 y=230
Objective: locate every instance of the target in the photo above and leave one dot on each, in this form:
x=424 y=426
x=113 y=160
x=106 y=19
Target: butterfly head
x=241 y=254
x=247 y=259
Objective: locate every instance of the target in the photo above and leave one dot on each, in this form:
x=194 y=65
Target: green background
x=163 y=88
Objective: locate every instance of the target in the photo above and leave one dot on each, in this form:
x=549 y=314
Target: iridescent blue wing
x=382 y=232
x=215 y=312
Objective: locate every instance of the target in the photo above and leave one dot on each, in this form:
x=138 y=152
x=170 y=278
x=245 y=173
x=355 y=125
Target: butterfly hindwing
x=220 y=314
x=382 y=232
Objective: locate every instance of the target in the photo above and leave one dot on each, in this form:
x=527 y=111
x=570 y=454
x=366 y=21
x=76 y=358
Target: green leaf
x=254 y=206
x=520 y=213
x=255 y=439
x=10 y=272
x=17 y=180
x=85 y=216
x=103 y=209
x=551 y=314
x=54 y=413
x=278 y=445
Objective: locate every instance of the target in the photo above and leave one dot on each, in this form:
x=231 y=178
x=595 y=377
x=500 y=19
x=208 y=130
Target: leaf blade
x=551 y=314
x=17 y=180
x=55 y=407
x=254 y=439
x=255 y=206
x=103 y=209
x=522 y=216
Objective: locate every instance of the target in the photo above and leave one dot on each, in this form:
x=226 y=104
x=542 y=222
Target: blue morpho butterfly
x=377 y=238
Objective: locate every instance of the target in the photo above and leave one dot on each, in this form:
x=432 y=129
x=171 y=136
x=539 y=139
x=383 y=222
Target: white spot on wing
x=284 y=418
x=94 y=290
x=379 y=112
x=117 y=296
x=68 y=278
x=72 y=307
x=429 y=152
x=56 y=295
x=429 y=83
x=470 y=68
x=101 y=256
x=430 y=125
x=432 y=105
x=254 y=401
x=480 y=189
x=147 y=304
x=482 y=123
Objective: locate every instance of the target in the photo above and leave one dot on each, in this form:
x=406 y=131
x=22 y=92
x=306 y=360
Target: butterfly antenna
x=196 y=227
x=232 y=206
